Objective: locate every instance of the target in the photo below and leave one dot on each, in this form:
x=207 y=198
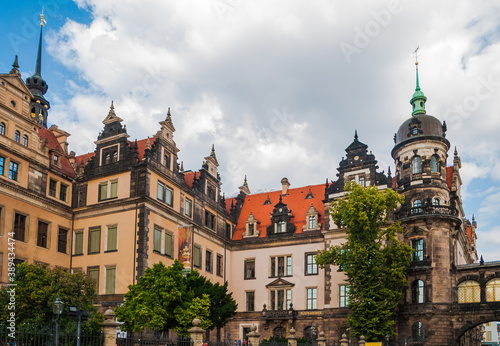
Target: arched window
x=416 y=165
x=417 y=207
x=115 y=156
x=414 y=131
x=107 y=158
x=25 y=140
x=362 y=181
x=417 y=292
x=310 y=333
x=493 y=290
x=435 y=201
x=434 y=164
x=17 y=136
x=279 y=332
x=469 y=292
x=418 y=332
x=418 y=249
x=2 y=129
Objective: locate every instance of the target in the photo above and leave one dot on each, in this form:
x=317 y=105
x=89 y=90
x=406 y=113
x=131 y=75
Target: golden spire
x=42 y=20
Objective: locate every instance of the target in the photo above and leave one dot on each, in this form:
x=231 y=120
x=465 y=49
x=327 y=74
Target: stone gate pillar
x=253 y=336
x=196 y=333
x=321 y=339
x=344 y=341
x=108 y=328
x=292 y=338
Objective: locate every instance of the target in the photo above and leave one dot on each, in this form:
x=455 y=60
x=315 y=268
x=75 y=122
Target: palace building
x=129 y=204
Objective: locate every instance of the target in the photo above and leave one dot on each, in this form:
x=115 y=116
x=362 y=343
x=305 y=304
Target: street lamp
x=57 y=308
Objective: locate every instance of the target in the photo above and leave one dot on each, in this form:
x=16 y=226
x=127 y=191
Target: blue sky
x=279 y=87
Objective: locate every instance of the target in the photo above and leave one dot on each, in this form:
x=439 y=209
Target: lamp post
x=57 y=308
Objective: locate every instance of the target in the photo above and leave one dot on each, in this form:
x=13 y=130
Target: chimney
x=284 y=186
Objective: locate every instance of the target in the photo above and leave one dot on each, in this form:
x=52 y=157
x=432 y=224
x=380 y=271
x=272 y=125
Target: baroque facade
x=129 y=204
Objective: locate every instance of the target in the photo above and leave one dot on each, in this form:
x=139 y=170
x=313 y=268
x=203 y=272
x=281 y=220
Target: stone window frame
x=47 y=236
x=245 y=269
x=109 y=151
x=106 y=238
x=312 y=300
x=98 y=269
x=59 y=239
x=26 y=226
x=249 y=222
x=109 y=188
x=274 y=267
x=418 y=291
x=247 y=301
x=82 y=232
x=308 y=265
x=344 y=296
x=105 y=278
x=312 y=212
x=416 y=165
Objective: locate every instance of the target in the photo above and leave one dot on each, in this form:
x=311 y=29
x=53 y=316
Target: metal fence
x=44 y=338
x=151 y=340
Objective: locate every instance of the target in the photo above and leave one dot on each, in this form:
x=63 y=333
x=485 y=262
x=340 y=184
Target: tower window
x=115 y=156
x=17 y=136
x=434 y=164
x=416 y=165
x=414 y=131
x=417 y=292
x=418 y=249
x=166 y=160
x=417 y=207
x=107 y=158
x=418 y=332
x=435 y=201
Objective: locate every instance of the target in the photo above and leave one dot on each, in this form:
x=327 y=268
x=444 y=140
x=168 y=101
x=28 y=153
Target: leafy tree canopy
x=373 y=260
x=165 y=299
x=38 y=286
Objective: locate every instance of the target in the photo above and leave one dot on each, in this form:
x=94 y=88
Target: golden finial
x=416 y=55
x=42 y=20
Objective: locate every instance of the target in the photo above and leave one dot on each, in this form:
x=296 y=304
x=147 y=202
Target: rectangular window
x=157 y=240
x=19 y=227
x=93 y=273
x=95 y=240
x=63 y=192
x=220 y=265
x=112 y=243
x=41 y=239
x=108 y=189
x=52 y=187
x=197 y=256
x=281 y=266
x=250 y=269
x=312 y=298
x=188 y=207
x=169 y=251
x=344 y=296
x=312 y=222
x=281 y=299
x=418 y=249
x=228 y=230
x=209 y=220
x=208 y=261
x=250 y=301
x=2 y=164
x=78 y=243
x=62 y=240
x=251 y=229
x=281 y=227
x=13 y=170
x=110 y=280
x=164 y=193
x=311 y=266
x=1 y=264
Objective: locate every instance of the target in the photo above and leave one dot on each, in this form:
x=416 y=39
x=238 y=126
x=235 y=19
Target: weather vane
x=42 y=20
x=416 y=55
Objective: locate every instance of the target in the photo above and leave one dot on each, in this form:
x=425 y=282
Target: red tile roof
x=189 y=177
x=296 y=201
x=229 y=201
x=53 y=144
x=449 y=176
x=141 y=146
x=469 y=232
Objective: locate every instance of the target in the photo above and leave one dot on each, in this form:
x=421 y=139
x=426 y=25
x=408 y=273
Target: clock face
x=356 y=157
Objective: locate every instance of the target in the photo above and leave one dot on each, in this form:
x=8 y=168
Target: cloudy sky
x=278 y=86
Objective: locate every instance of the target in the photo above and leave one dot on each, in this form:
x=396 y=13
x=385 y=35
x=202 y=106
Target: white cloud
x=224 y=66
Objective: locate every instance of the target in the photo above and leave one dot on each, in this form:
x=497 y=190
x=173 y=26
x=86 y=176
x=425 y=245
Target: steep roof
x=295 y=199
x=449 y=176
x=54 y=145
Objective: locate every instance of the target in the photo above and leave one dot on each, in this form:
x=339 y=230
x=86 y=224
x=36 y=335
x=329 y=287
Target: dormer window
x=166 y=160
x=312 y=222
x=56 y=159
x=312 y=217
x=281 y=227
x=251 y=226
x=107 y=159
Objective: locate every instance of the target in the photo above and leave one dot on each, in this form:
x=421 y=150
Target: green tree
x=222 y=304
x=151 y=302
x=38 y=286
x=165 y=299
x=197 y=308
x=373 y=260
